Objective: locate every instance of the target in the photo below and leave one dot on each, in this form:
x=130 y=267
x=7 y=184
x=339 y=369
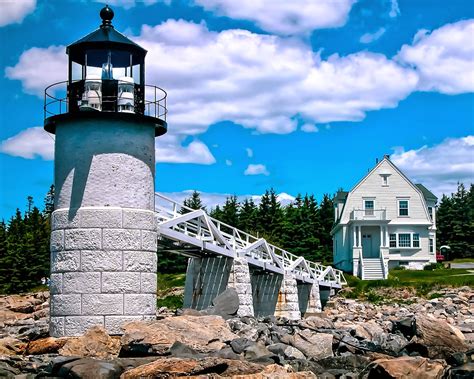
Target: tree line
x=455 y=222
x=24 y=247
x=301 y=227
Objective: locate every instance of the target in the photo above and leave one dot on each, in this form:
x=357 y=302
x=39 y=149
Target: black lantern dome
x=107 y=74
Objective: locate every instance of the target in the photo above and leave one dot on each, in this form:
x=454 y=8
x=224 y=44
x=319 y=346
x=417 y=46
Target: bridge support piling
x=206 y=278
x=314 y=303
x=288 y=303
x=239 y=279
x=325 y=293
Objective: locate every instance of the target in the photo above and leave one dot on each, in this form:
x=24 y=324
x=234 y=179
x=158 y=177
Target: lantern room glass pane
x=136 y=73
x=76 y=71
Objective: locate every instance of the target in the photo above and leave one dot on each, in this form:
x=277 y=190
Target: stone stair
x=373 y=269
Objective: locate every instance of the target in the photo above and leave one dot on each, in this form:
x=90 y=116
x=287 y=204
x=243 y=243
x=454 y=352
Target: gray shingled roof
x=427 y=194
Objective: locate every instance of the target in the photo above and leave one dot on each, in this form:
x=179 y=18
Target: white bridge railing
x=198 y=229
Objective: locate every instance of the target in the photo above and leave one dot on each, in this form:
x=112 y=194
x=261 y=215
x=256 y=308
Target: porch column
x=360 y=236
x=354 y=238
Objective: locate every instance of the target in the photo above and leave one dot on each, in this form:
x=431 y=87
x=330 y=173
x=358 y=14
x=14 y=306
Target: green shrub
x=374 y=297
x=433 y=266
x=398 y=268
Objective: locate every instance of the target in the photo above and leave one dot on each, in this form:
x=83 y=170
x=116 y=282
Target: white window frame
x=392 y=240
x=430 y=213
x=417 y=241
x=400 y=242
x=369 y=211
x=431 y=245
x=407 y=208
x=397 y=241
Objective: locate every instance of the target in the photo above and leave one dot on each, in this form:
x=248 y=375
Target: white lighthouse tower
x=104 y=234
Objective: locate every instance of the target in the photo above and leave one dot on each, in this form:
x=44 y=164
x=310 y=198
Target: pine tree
x=230 y=211
x=3 y=255
x=248 y=215
x=49 y=201
x=270 y=217
x=193 y=202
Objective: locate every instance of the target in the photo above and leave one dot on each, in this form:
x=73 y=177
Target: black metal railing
x=62 y=97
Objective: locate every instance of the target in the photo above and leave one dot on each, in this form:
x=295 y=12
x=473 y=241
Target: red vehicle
x=439 y=257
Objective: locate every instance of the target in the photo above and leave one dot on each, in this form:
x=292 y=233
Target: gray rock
x=227 y=353
x=7 y=371
x=82 y=368
x=257 y=351
x=181 y=350
x=225 y=305
x=239 y=345
x=313 y=345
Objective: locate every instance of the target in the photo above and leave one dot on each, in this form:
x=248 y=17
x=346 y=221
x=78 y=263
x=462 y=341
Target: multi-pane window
x=430 y=212
x=416 y=240
x=369 y=207
x=431 y=245
x=393 y=240
x=403 y=207
x=404 y=240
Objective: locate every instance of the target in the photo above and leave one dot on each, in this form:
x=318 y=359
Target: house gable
x=385 y=194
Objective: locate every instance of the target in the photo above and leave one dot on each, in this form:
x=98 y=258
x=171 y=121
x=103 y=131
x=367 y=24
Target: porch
x=370 y=248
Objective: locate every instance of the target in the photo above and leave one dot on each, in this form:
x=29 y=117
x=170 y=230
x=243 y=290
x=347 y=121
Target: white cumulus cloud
x=282 y=16
x=127 y=4
x=256 y=169
x=35 y=142
x=257 y=81
x=371 y=37
x=444 y=58
x=439 y=167
x=14 y=11
x=30 y=143
x=169 y=149
x=39 y=68
x=309 y=128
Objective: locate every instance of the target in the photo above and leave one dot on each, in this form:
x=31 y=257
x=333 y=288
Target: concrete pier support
x=325 y=293
x=308 y=298
x=314 y=303
x=288 y=303
x=239 y=279
x=206 y=278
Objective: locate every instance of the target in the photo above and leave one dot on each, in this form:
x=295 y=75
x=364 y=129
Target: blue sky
x=301 y=96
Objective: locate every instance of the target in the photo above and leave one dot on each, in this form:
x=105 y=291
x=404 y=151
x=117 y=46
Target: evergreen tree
x=49 y=201
x=230 y=212
x=455 y=223
x=326 y=219
x=270 y=217
x=193 y=202
x=4 y=270
x=248 y=216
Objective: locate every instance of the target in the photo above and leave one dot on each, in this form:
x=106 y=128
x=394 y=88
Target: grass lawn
x=166 y=283
x=462 y=260
x=423 y=282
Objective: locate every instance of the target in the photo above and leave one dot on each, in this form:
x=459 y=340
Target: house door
x=367 y=249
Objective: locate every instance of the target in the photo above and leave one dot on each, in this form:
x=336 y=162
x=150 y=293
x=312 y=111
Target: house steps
x=373 y=269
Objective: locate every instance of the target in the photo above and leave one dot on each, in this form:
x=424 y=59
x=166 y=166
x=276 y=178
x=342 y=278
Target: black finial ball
x=106 y=14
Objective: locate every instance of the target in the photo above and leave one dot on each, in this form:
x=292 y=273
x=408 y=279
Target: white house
x=383 y=222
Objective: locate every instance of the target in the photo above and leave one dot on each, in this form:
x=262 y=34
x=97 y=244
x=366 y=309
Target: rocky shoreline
x=409 y=338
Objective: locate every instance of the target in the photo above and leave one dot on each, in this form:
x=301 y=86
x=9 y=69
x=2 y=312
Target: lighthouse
x=104 y=234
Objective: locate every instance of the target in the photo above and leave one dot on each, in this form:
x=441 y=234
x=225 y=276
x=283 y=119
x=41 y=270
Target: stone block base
x=103 y=268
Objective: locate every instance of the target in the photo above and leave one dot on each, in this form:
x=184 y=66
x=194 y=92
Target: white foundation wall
x=104 y=231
